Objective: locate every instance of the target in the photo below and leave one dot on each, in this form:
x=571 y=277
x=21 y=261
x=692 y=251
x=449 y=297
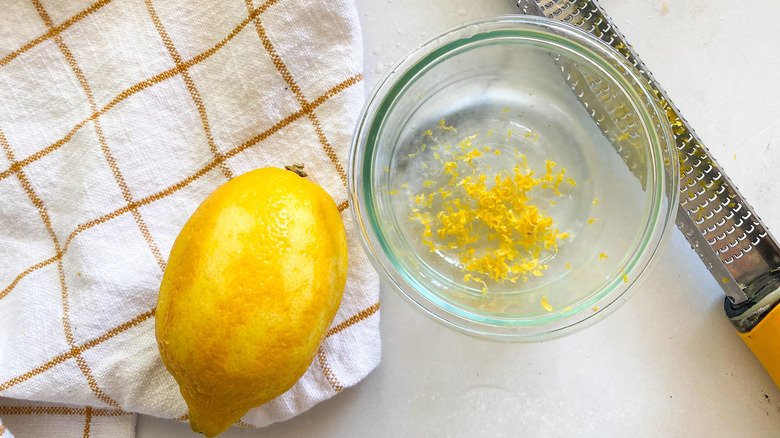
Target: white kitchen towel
x=117 y=118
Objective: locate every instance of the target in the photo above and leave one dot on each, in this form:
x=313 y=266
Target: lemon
x=253 y=281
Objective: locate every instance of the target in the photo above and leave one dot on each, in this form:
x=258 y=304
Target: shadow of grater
x=720 y=226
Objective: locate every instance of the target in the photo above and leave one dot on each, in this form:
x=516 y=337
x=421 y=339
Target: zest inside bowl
x=517 y=89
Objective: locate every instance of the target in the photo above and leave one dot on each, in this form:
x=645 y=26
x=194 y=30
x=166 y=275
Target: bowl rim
x=657 y=224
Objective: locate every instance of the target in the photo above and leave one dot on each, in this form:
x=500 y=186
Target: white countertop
x=667 y=363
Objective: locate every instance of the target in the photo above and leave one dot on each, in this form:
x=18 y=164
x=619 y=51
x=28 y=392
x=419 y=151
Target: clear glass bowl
x=512 y=88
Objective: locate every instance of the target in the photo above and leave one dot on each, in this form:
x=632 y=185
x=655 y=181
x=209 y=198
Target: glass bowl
x=513 y=178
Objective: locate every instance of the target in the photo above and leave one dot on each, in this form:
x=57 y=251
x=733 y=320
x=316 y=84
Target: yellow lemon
x=253 y=281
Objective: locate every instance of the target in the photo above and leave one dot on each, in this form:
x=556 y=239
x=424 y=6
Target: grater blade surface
x=720 y=226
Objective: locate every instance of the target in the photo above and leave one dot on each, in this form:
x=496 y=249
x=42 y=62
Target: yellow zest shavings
x=505 y=110
x=532 y=136
x=490 y=132
x=625 y=277
x=567 y=266
x=428 y=133
x=469 y=157
x=725 y=280
x=596 y=308
x=387 y=169
x=444 y=127
x=595 y=201
x=591 y=221
x=710 y=184
x=546 y=304
x=489 y=222
x=393 y=192
x=509 y=132
x=420 y=96
x=567 y=309
x=468 y=277
x=403 y=185
x=602 y=256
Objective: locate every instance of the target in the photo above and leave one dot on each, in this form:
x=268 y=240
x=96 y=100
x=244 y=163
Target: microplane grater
x=719 y=224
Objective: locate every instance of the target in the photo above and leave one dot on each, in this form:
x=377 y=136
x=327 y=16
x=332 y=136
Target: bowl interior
x=498 y=101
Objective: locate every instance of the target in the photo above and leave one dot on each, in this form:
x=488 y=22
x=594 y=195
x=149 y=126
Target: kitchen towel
x=117 y=118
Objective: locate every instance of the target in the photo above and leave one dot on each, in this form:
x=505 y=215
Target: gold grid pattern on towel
x=132 y=205
x=87 y=412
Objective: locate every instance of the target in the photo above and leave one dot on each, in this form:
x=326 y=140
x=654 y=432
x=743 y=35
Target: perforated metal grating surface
x=724 y=230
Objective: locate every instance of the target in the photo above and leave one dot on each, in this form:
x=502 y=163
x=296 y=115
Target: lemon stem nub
x=297 y=168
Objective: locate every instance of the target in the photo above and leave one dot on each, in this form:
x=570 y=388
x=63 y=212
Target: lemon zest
x=546 y=304
x=472 y=207
x=444 y=127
